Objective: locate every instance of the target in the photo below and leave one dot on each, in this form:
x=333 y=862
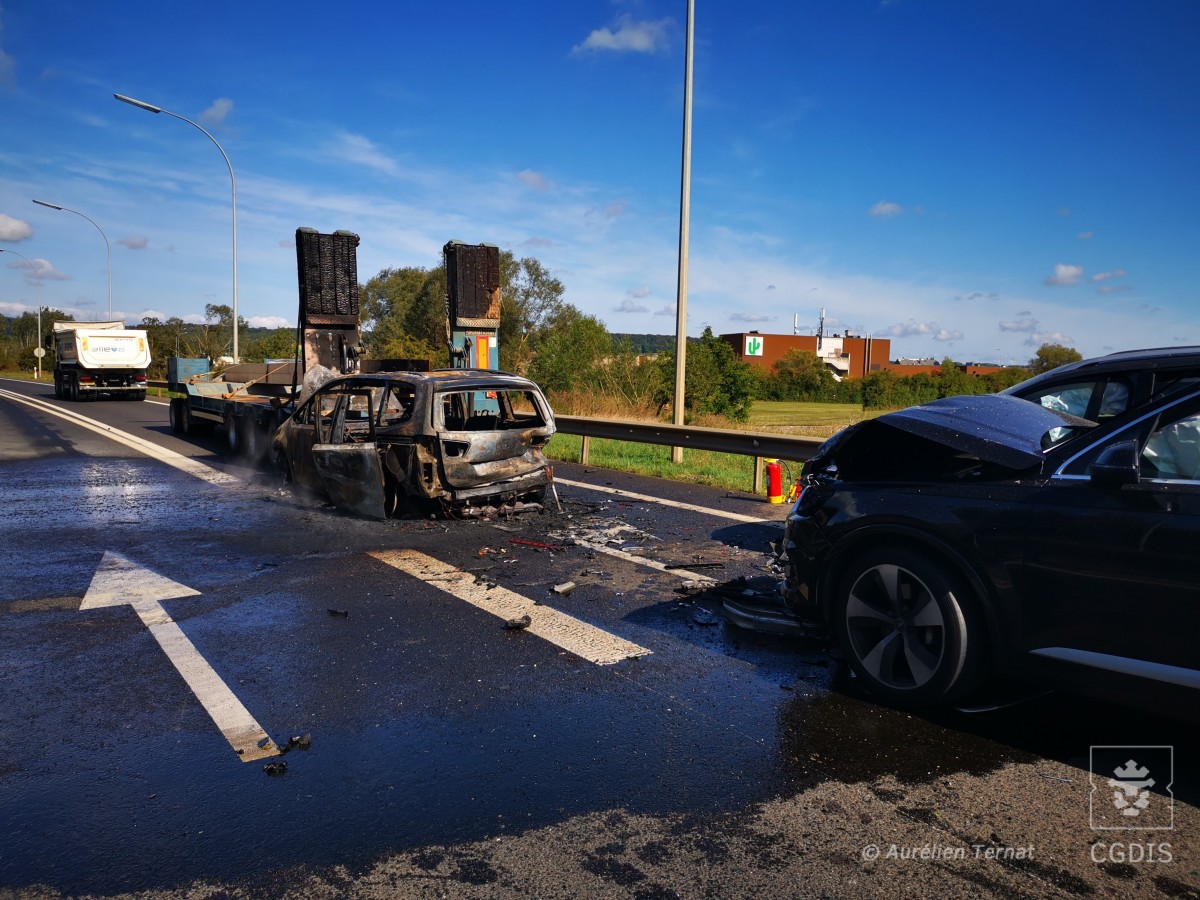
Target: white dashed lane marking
x=587 y=641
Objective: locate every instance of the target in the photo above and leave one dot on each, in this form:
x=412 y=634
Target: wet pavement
x=441 y=754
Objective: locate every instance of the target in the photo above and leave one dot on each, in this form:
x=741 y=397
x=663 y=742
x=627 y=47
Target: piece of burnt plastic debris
x=518 y=624
x=279 y=767
x=541 y=545
x=338 y=612
x=565 y=588
x=704 y=617
x=303 y=741
x=694 y=587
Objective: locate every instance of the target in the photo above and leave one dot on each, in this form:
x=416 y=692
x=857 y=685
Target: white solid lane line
x=737 y=517
x=584 y=640
x=170 y=457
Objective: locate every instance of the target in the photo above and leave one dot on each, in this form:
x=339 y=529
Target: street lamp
x=107 y=246
x=37 y=366
x=149 y=107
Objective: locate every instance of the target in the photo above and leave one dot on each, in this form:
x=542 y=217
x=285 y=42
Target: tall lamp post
x=107 y=246
x=149 y=107
x=37 y=366
x=685 y=205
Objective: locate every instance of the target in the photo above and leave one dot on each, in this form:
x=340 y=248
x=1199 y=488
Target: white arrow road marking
x=584 y=640
x=117 y=582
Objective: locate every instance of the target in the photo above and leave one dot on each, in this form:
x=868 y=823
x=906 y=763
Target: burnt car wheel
x=908 y=628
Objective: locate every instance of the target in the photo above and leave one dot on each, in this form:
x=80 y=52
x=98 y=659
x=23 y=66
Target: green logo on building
x=754 y=346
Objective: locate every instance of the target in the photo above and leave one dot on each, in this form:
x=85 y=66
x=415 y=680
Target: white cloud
x=218 y=112
x=946 y=334
x=1064 y=274
x=750 y=317
x=629 y=37
x=885 y=209
x=1025 y=324
x=533 y=179
x=44 y=270
x=910 y=328
x=135 y=243
x=1114 y=289
x=628 y=306
x=1086 y=235
x=269 y=322
x=639 y=292
x=361 y=151
x=668 y=310
x=1104 y=276
x=1049 y=337
x=14 y=229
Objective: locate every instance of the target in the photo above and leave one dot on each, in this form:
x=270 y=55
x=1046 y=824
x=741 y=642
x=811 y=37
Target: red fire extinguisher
x=774 y=481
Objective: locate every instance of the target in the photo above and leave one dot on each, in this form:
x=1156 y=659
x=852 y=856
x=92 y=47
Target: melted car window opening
x=488 y=410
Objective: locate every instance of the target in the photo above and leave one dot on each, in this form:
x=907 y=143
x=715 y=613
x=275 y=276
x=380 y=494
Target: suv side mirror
x=1116 y=465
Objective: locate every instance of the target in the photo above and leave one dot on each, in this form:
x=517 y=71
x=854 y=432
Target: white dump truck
x=95 y=358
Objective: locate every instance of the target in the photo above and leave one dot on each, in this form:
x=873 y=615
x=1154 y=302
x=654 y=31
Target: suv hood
x=993 y=428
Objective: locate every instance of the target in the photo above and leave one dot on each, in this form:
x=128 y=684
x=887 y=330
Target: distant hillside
x=648 y=343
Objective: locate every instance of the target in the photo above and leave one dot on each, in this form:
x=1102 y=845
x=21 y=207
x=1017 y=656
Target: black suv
x=1111 y=385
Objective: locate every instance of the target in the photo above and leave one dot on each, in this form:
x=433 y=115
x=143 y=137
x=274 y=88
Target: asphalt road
x=155 y=610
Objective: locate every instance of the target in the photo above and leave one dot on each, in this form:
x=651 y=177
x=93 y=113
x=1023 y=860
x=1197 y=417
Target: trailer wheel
x=73 y=390
x=255 y=442
x=58 y=388
x=174 y=411
x=185 y=417
x=233 y=433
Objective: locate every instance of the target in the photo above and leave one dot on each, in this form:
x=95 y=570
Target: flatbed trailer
x=247 y=400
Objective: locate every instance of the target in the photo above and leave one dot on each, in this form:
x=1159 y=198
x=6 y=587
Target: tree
x=1051 y=356
x=573 y=351
x=278 y=343
x=715 y=381
x=799 y=375
x=530 y=299
x=387 y=300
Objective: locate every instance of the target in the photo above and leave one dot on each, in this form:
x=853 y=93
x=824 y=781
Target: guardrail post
x=758 y=474
x=585 y=450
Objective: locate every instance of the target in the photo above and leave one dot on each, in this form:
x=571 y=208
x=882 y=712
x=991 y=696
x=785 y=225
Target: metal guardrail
x=757 y=444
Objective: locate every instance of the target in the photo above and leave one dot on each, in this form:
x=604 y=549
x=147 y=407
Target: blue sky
x=968 y=179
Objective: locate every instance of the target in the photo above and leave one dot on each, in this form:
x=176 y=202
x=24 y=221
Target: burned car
x=465 y=440
x=981 y=538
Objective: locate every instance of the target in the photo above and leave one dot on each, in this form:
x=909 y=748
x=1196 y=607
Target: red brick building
x=845 y=355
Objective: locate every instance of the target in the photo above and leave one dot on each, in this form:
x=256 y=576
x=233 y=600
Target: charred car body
x=982 y=536
x=469 y=441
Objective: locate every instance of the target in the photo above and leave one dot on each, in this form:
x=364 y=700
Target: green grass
x=774 y=413
x=727 y=470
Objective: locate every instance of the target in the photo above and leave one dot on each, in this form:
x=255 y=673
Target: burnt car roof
x=1121 y=361
x=993 y=428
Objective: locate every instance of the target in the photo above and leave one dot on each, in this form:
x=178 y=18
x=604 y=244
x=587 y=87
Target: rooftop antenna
x=821 y=330
x=795 y=324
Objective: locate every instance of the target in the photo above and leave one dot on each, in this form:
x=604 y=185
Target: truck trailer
x=249 y=399
x=95 y=358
